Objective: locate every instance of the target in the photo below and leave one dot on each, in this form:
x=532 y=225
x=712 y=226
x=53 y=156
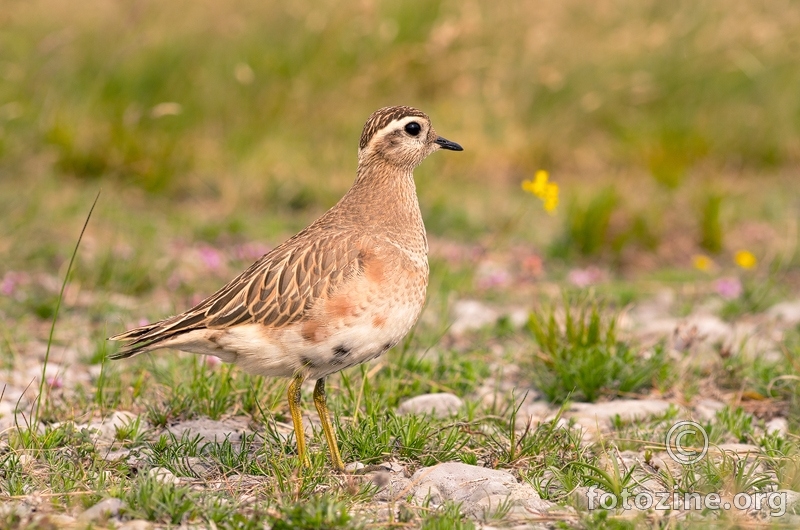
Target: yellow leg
x=327 y=426
x=297 y=418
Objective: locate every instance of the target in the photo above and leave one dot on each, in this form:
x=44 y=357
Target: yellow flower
x=551 y=198
x=537 y=186
x=541 y=187
x=745 y=259
x=702 y=262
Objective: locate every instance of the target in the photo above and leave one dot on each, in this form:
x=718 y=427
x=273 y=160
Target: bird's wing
x=275 y=291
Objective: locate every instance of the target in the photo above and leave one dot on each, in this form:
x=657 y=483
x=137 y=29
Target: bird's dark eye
x=413 y=128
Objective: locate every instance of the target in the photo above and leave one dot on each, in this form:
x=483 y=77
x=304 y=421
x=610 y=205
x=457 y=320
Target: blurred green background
x=672 y=127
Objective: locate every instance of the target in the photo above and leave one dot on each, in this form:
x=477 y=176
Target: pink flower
x=585 y=277
x=54 y=381
x=533 y=265
x=728 y=288
x=9 y=283
x=491 y=274
x=495 y=278
x=210 y=257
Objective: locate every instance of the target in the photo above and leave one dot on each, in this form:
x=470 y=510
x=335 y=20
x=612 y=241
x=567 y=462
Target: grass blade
x=35 y=416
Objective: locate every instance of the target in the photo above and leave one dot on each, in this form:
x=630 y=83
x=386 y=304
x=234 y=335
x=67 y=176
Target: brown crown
x=383 y=117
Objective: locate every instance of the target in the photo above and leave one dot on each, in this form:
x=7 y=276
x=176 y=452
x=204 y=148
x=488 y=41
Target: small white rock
x=706 y=409
x=777 y=425
x=25 y=459
x=352 y=467
x=590 y=414
x=106 y=508
x=519 y=317
x=471 y=314
x=788 y=312
x=213 y=430
x=471 y=485
x=163 y=475
x=792 y=500
x=440 y=405
x=737 y=448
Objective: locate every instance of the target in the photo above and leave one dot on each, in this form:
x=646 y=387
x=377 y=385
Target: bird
x=339 y=293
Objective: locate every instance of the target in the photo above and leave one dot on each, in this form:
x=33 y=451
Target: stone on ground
x=212 y=430
x=440 y=405
x=479 y=490
x=106 y=508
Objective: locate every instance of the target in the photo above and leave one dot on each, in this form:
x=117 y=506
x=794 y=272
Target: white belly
x=286 y=352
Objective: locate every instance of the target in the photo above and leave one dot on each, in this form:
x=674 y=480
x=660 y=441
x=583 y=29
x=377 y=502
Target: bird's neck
x=384 y=197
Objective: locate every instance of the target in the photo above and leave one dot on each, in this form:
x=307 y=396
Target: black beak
x=447 y=144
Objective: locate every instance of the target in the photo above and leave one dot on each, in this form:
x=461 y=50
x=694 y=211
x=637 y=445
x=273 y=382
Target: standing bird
x=339 y=293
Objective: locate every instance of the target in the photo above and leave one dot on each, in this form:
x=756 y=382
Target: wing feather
x=277 y=290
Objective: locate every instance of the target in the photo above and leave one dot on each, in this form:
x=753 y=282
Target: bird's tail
x=138 y=340
x=155 y=335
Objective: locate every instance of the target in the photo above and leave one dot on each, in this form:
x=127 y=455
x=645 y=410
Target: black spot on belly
x=386 y=347
x=307 y=362
x=340 y=354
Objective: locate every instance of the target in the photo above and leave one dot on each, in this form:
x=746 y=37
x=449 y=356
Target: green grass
x=446 y=517
x=588 y=229
x=583 y=358
x=668 y=104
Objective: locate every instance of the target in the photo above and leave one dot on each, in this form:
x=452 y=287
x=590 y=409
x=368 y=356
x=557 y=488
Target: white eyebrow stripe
x=402 y=122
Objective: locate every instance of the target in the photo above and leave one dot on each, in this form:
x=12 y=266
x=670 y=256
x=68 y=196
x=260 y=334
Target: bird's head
x=401 y=136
